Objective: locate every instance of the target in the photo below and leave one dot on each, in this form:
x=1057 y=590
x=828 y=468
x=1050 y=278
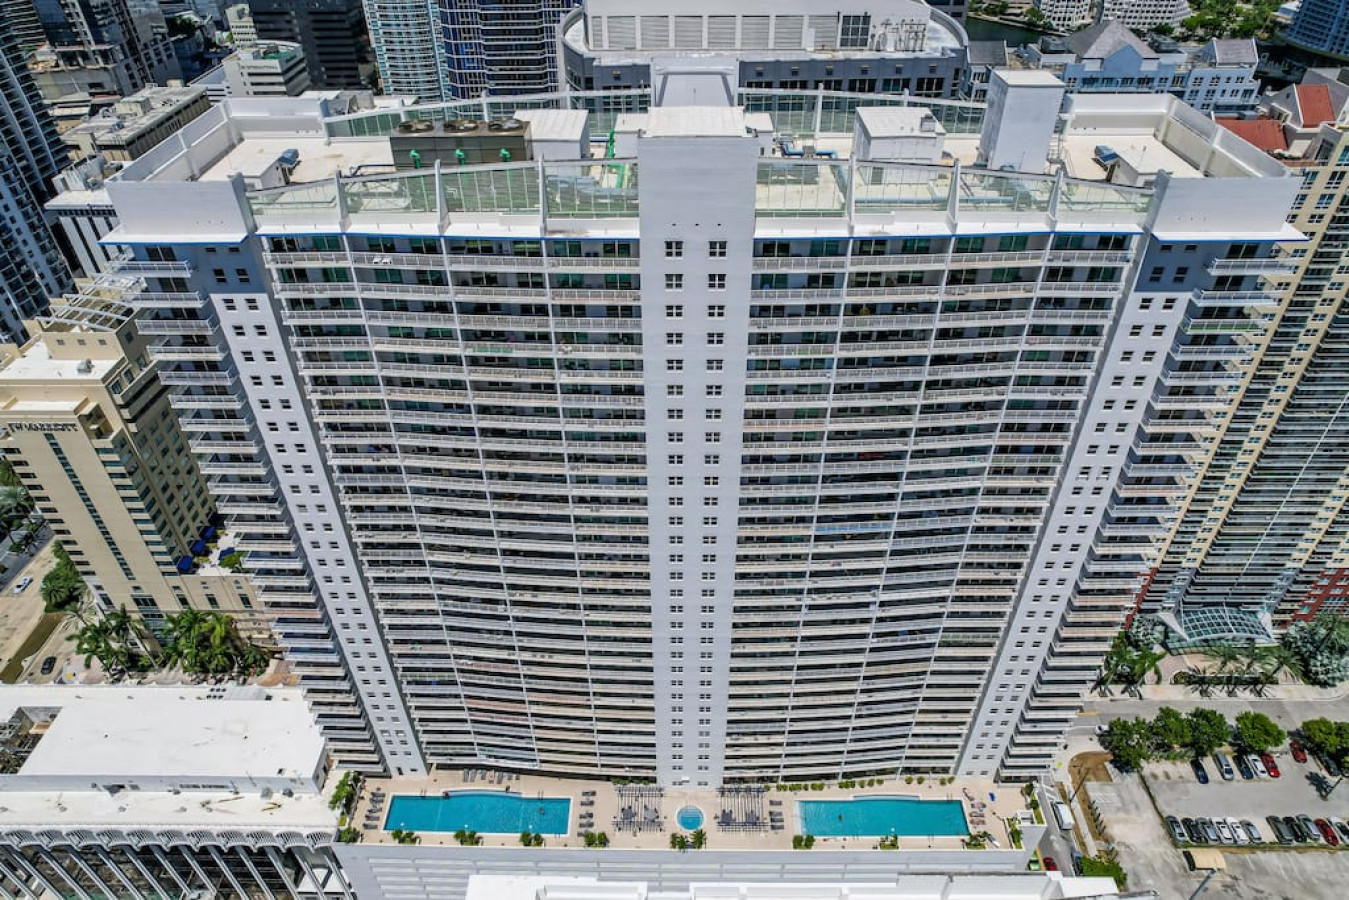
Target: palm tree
x=14 y=503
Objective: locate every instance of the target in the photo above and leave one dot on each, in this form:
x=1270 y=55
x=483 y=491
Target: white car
x=1238 y=832
x=1258 y=765
x=1224 y=832
x=22 y=584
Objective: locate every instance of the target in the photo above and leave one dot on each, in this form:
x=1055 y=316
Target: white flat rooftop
x=161 y=731
x=36 y=362
x=319 y=159
x=1042 y=886
x=695 y=121
x=554 y=124
x=898 y=121
x=1143 y=151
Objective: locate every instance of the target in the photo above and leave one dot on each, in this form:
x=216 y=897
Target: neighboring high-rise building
x=239 y=20
x=409 y=51
x=894 y=47
x=1264 y=535
x=1321 y=26
x=830 y=466
x=97 y=47
x=31 y=267
x=194 y=792
x=270 y=69
x=89 y=429
x=332 y=32
x=501 y=48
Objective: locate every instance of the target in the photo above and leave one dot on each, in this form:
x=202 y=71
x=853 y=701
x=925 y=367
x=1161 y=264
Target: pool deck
x=606 y=804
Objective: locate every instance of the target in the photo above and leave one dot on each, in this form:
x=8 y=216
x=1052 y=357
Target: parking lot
x=1179 y=794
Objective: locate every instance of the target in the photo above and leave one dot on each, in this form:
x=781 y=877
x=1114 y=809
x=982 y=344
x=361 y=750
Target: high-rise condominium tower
x=698 y=462
x=502 y=47
x=332 y=32
x=31 y=267
x=409 y=51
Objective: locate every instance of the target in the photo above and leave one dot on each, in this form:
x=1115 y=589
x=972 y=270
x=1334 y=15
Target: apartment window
x=674 y=390
x=674 y=365
x=674 y=249
x=716 y=249
x=674 y=311
x=716 y=338
x=715 y=365
x=674 y=339
x=716 y=311
x=714 y=390
x=716 y=282
x=674 y=281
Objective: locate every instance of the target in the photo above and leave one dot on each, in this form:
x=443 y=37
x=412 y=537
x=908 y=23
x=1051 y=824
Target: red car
x=1270 y=765
x=1051 y=866
x=1327 y=832
x=1299 y=752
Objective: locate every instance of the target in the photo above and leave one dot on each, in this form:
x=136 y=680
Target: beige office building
x=88 y=426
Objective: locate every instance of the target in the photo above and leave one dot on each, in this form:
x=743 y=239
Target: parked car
x=1244 y=767
x=1210 y=832
x=1050 y=864
x=1200 y=773
x=1271 y=766
x=1238 y=833
x=1252 y=832
x=1224 y=833
x=1295 y=827
x=1193 y=831
x=1331 y=767
x=22 y=584
x=48 y=665
x=1258 y=765
x=1282 y=833
x=1177 y=829
x=1341 y=827
x=1309 y=828
x=1299 y=752
x=1224 y=767
x=1327 y=832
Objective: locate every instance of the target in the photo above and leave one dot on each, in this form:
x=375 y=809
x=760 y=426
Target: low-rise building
x=274 y=69
x=193 y=792
x=136 y=124
x=90 y=430
x=1216 y=77
x=239 y=21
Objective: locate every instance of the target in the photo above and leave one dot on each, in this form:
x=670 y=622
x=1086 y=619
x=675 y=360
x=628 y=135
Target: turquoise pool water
x=881 y=817
x=690 y=818
x=488 y=812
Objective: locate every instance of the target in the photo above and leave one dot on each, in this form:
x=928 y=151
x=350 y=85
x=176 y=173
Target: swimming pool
x=881 y=817
x=488 y=812
x=689 y=818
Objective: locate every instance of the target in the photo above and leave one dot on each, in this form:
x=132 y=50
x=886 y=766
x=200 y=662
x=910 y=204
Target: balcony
x=1267 y=266
x=1236 y=298
x=199 y=327
x=150 y=268
x=165 y=300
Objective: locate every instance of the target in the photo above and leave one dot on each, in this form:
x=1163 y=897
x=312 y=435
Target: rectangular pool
x=487 y=812
x=882 y=817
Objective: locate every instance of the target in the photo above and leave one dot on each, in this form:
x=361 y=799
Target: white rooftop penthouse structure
x=716 y=455
x=109 y=791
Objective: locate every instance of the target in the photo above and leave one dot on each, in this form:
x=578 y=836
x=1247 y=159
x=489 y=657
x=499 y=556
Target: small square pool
x=882 y=817
x=487 y=812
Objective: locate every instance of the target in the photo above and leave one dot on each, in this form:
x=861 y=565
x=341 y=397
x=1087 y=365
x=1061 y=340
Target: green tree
x=405 y=837
x=679 y=842
x=1257 y=732
x=1321 y=648
x=1103 y=867
x=1170 y=730
x=698 y=840
x=116 y=641
x=208 y=643
x=1129 y=742
x=1327 y=738
x=62 y=588
x=1208 y=731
